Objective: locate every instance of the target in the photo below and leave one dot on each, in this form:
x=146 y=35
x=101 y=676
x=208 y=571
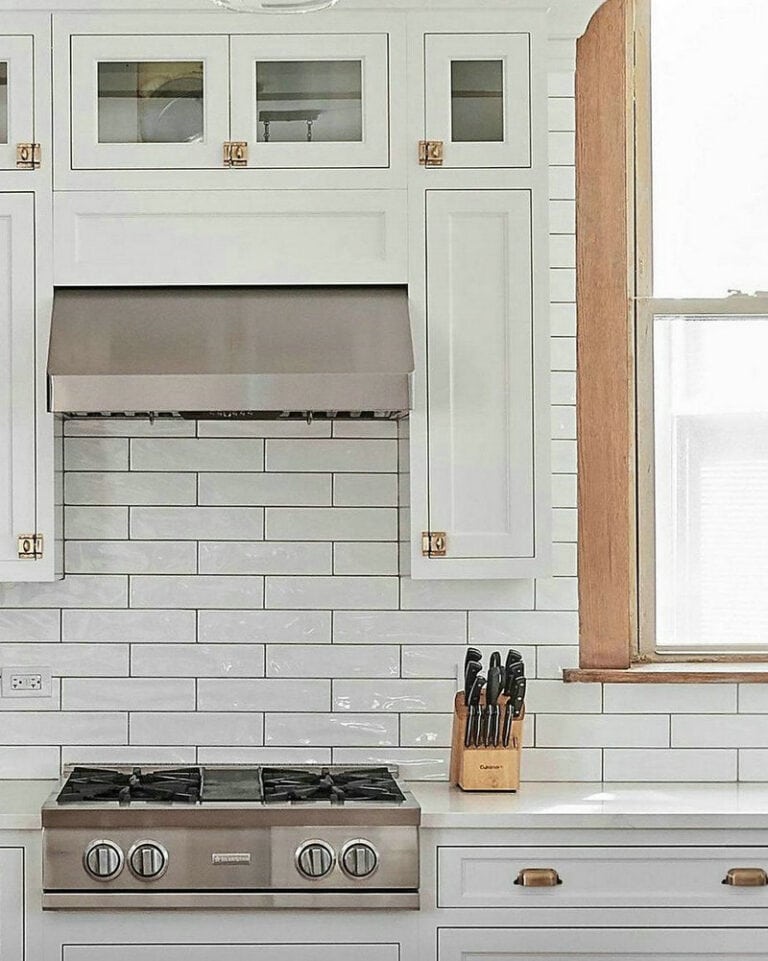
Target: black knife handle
x=507 y=731
x=493 y=727
x=469 y=727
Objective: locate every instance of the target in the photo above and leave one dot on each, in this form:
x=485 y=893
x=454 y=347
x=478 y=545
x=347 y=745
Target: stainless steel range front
x=230 y=837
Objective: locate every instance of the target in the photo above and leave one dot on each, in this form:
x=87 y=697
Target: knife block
x=485 y=768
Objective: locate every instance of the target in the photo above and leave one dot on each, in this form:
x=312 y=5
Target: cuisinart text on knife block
x=485 y=768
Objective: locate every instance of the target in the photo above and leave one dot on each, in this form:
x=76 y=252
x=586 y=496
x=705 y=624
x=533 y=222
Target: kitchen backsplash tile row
x=232 y=595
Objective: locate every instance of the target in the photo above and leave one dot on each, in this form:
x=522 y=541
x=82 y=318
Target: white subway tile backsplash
x=399 y=627
x=342 y=730
x=64 y=727
x=670 y=699
x=557 y=594
x=563 y=385
x=446 y=661
x=365 y=490
x=197 y=523
x=264 y=755
x=355 y=427
x=414 y=764
x=753 y=765
x=67 y=660
x=263 y=428
x=401 y=696
x=270 y=695
x=199 y=728
x=552 y=661
x=128 y=755
x=332 y=661
x=266 y=490
x=269 y=557
x=602 y=730
x=375 y=456
x=562 y=113
x=265 y=627
x=30 y=625
x=558 y=765
x=669 y=765
x=128 y=694
x=209 y=591
x=29 y=763
x=75 y=591
x=128 y=489
x=331 y=524
x=129 y=626
x=331 y=593
x=365 y=558
x=511 y=629
x=743 y=730
x=95 y=453
x=96 y=523
x=426 y=730
x=130 y=557
x=753 y=699
x=128 y=427
x=197 y=660
x=554 y=697
x=196 y=454
x=466 y=595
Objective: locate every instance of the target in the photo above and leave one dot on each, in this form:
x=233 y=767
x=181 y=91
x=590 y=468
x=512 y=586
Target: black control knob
x=148 y=860
x=359 y=859
x=103 y=860
x=315 y=859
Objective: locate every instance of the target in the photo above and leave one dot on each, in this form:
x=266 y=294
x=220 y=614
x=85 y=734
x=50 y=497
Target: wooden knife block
x=485 y=768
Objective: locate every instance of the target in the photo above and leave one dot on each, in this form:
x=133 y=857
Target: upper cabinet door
x=17 y=381
x=12 y=904
x=318 y=100
x=478 y=98
x=485 y=395
x=16 y=97
x=148 y=102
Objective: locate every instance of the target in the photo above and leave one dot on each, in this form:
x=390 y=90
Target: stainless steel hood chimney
x=252 y=352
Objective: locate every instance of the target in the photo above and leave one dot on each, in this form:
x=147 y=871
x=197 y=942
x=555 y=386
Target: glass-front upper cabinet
x=312 y=101
x=16 y=97
x=478 y=96
x=149 y=102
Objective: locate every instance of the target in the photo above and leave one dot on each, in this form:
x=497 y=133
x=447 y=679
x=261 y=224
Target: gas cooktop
x=201 y=785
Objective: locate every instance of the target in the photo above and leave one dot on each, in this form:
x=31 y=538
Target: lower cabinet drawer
x=594 y=877
x=231 y=952
x=563 y=944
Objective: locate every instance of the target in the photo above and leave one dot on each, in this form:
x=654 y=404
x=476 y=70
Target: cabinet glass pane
x=309 y=100
x=3 y=103
x=151 y=102
x=477 y=101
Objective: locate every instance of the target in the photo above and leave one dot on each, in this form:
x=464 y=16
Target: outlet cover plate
x=26 y=682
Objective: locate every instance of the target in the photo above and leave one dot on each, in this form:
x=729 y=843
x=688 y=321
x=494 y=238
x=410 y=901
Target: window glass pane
x=710 y=147
x=309 y=100
x=711 y=484
x=3 y=103
x=152 y=102
x=477 y=101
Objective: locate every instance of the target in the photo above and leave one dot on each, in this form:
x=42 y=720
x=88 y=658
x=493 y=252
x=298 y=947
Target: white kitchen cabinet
x=144 y=102
x=17 y=115
x=478 y=97
x=12 y=904
x=232 y=952
x=561 y=944
x=317 y=100
x=18 y=501
x=487 y=468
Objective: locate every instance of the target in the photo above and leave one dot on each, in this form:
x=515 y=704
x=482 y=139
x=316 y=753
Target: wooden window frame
x=614 y=393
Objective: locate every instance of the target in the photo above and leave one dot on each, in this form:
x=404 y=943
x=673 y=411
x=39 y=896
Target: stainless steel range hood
x=261 y=352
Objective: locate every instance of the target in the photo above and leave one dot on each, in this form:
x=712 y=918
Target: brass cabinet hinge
x=431 y=153
x=236 y=153
x=30 y=547
x=434 y=543
x=28 y=156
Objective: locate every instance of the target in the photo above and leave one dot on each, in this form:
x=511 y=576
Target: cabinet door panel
x=594 y=944
x=233 y=952
x=149 y=102
x=17 y=383
x=312 y=101
x=481 y=375
x=478 y=98
x=11 y=904
x=16 y=97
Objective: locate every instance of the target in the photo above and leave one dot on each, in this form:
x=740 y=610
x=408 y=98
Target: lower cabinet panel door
x=593 y=944
x=17 y=381
x=483 y=376
x=231 y=952
x=11 y=904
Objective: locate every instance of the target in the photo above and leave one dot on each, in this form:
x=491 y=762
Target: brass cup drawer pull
x=538 y=878
x=746 y=878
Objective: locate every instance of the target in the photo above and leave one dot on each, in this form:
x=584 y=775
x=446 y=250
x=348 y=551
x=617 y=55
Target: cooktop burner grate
x=84 y=784
x=302 y=785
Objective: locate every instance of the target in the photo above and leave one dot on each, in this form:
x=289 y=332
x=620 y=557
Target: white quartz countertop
x=552 y=805
x=20 y=803
x=587 y=805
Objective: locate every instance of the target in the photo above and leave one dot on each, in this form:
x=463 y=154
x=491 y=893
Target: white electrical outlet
x=26 y=682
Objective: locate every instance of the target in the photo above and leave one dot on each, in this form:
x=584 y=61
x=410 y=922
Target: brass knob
x=746 y=878
x=538 y=878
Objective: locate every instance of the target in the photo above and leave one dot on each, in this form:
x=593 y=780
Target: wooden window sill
x=678 y=673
